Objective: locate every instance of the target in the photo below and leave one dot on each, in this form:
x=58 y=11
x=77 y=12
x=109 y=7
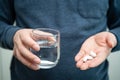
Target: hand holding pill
x=90 y=56
x=95 y=50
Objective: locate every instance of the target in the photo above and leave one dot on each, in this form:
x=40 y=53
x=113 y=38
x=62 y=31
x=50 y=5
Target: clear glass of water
x=49 y=42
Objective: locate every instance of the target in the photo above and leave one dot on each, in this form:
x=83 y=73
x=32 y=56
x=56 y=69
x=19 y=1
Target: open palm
x=101 y=44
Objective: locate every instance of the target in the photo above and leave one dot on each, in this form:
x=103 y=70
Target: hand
x=22 y=43
x=101 y=44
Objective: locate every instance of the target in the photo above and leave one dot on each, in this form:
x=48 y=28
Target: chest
x=84 y=7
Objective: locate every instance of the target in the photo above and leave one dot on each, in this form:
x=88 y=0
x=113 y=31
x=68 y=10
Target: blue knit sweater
x=76 y=19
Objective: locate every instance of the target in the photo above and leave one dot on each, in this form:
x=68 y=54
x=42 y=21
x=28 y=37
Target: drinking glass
x=49 y=42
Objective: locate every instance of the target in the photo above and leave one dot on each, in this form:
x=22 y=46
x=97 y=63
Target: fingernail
x=37 y=60
x=36 y=66
x=36 y=47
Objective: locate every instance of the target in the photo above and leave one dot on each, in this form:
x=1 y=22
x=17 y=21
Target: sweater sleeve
x=114 y=21
x=7 y=18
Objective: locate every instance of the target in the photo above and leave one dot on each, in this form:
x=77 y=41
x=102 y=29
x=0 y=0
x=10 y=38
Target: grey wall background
x=5 y=59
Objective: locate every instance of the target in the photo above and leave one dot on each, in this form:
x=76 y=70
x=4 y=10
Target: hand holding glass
x=49 y=42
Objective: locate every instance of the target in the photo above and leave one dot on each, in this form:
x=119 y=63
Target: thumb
x=111 y=40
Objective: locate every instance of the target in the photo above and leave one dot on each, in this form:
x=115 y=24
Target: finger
x=84 y=61
x=37 y=35
x=26 y=62
x=79 y=63
x=80 y=58
x=84 y=66
x=30 y=43
x=111 y=41
x=27 y=54
x=97 y=60
x=79 y=55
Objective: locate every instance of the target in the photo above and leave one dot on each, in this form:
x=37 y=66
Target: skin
x=101 y=43
x=23 y=41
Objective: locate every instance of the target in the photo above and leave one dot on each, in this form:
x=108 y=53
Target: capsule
x=87 y=58
x=93 y=54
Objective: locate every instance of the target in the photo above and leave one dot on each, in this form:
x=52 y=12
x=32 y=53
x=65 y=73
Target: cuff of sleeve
x=116 y=32
x=9 y=37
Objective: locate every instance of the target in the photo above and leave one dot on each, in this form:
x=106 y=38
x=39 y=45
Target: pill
x=93 y=54
x=87 y=58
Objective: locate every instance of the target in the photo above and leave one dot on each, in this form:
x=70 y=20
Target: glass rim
x=57 y=32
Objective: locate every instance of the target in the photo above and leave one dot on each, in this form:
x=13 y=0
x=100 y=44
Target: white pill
x=93 y=54
x=87 y=58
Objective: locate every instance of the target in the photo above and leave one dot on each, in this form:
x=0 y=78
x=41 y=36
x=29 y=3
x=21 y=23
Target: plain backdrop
x=5 y=59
